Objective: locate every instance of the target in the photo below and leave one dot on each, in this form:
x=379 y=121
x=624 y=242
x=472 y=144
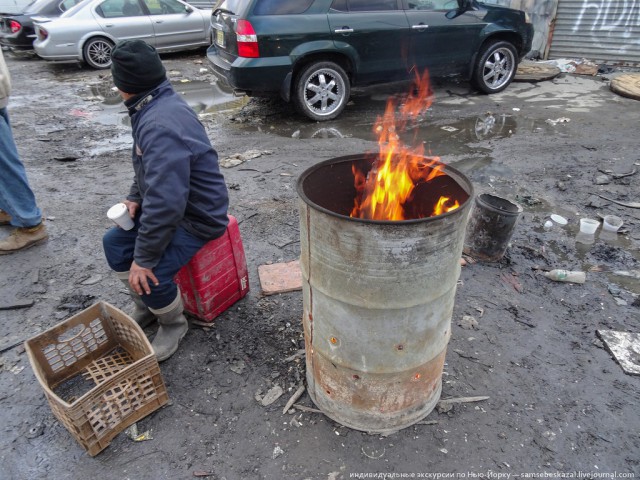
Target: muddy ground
x=558 y=401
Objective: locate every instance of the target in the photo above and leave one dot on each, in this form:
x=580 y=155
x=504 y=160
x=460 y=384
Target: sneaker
x=22 y=238
x=5 y=218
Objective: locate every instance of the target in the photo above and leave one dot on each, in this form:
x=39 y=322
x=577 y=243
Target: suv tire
x=322 y=91
x=97 y=52
x=496 y=66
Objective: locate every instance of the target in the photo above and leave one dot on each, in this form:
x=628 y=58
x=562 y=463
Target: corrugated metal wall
x=602 y=31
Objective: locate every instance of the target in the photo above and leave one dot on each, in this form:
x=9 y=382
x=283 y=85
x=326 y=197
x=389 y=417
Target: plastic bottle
x=566 y=276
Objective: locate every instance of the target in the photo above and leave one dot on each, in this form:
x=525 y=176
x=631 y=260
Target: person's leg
x=165 y=301
x=180 y=250
x=17 y=202
x=118 y=247
x=16 y=197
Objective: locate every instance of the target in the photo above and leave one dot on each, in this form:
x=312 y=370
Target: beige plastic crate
x=104 y=346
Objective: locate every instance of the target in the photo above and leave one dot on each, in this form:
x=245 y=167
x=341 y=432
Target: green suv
x=312 y=52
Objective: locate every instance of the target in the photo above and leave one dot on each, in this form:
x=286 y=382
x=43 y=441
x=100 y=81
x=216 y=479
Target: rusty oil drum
x=378 y=298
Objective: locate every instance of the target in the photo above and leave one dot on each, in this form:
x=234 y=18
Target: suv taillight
x=14 y=26
x=247 y=40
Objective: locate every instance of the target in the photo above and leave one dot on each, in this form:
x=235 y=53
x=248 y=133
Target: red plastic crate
x=216 y=277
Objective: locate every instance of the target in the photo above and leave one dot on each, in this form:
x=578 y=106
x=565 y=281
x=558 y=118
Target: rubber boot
x=141 y=313
x=173 y=328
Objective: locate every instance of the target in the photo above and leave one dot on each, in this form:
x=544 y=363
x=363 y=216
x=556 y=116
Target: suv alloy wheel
x=322 y=91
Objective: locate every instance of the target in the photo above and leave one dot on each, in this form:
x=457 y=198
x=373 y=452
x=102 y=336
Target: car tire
x=495 y=67
x=97 y=52
x=322 y=91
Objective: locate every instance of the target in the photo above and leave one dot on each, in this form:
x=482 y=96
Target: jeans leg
x=119 y=246
x=16 y=197
x=182 y=248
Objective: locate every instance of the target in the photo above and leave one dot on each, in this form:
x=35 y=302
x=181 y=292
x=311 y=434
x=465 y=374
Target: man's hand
x=132 y=207
x=139 y=278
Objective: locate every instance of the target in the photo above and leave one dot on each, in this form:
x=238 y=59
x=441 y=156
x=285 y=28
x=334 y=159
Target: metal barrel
x=378 y=298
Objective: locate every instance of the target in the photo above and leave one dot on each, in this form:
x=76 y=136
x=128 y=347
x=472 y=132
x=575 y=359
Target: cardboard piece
x=625 y=348
x=280 y=277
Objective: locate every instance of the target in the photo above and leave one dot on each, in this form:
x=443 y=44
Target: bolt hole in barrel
x=381 y=239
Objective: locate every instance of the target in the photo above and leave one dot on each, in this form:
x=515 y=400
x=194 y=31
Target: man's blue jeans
x=119 y=245
x=16 y=197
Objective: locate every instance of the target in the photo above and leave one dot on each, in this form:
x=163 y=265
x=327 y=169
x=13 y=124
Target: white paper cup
x=611 y=223
x=119 y=214
x=588 y=225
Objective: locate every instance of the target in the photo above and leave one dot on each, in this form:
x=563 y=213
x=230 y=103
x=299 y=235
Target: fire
x=383 y=192
x=443 y=207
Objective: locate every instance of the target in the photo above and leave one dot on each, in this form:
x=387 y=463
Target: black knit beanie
x=136 y=67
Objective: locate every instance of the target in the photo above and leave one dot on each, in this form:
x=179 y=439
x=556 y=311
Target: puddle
x=351 y=125
x=632 y=284
x=121 y=142
x=205 y=98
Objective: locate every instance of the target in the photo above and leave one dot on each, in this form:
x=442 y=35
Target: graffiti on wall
x=607 y=16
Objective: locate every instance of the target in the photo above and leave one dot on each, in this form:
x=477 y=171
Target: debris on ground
x=559 y=275
x=615 y=175
x=299 y=354
x=277 y=452
x=557 y=120
x=202 y=473
x=294 y=398
x=92 y=280
x=280 y=277
x=239 y=158
x=272 y=395
x=559 y=219
x=625 y=348
x=628 y=273
x=468 y=323
x=602 y=180
x=453 y=400
x=35 y=431
x=238 y=367
x=528 y=200
x=373 y=453
x=618 y=202
x=529 y=71
x=572 y=65
x=627 y=85
x=303 y=408
x=15 y=304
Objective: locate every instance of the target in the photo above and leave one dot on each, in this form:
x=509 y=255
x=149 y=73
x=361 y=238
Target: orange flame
x=383 y=192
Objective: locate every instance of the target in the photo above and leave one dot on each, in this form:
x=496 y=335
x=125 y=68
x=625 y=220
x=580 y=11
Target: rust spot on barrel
x=388 y=392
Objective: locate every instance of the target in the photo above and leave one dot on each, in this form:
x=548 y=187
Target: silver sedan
x=88 y=31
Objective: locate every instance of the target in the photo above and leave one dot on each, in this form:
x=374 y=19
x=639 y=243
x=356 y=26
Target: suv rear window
x=230 y=5
x=281 y=7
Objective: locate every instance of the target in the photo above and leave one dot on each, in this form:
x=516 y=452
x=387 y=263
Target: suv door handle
x=420 y=26
x=344 y=30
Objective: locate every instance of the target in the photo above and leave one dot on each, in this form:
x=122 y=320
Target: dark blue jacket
x=177 y=177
